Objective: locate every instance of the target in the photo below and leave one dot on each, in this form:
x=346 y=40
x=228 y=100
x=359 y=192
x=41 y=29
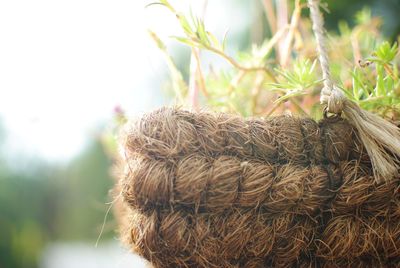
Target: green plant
x=280 y=75
x=377 y=88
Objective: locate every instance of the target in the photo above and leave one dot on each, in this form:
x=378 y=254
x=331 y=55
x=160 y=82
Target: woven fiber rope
x=202 y=189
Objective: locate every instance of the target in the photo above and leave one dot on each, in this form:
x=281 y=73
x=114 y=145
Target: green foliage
x=178 y=84
x=194 y=30
x=377 y=88
x=53 y=203
x=83 y=190
x=282 y=75
x=23 y=225
x=295 y=81
x=384 y=53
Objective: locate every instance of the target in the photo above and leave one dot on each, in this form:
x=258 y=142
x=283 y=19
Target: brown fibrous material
x=202 y=189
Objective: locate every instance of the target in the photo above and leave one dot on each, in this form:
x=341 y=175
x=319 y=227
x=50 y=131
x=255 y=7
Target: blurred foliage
x=53 y=203
x=280 y=74
x=344 y=11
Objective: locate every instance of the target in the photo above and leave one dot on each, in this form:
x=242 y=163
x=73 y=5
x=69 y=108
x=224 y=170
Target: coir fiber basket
x=201 y=189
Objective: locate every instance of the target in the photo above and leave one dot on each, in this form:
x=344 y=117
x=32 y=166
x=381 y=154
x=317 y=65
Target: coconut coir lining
x=216 y=190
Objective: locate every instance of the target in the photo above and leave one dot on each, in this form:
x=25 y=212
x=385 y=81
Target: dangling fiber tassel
x=380 y=138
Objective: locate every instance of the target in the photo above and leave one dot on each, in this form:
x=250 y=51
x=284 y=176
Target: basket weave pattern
x=216 y=190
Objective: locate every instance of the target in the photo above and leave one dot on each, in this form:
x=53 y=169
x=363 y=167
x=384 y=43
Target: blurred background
x=69 y=70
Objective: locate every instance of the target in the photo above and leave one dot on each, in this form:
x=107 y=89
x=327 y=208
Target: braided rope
x=330 y=94
x=380 y=138
x=217 y=190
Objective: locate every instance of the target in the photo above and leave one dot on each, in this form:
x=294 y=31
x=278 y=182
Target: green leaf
x=201 y=32
x=384 y=53
x=186 y=41
x=224 y=40
x=290 y=95
x=214 y=41
x=185 y=24
x=380 y=86
x=364 y=16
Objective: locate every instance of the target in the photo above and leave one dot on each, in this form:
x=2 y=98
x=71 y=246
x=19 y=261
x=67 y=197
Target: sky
x=65 y=66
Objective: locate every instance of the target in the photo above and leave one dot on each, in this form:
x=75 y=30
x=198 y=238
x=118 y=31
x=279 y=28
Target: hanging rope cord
x=380 y=138
x=330 y=95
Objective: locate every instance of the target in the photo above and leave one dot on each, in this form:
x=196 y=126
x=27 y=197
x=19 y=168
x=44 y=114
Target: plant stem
x=287 y=43
x=193 y=79
x=281 y=21
x=196 y=82
x=258 y=82
x=276 y=105
x=234 y=63
x=298 y=106
x=235 y=81
x=270 y=14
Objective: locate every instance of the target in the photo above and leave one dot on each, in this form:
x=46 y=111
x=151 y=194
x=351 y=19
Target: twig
x=355 y=46
x=282 y=21
x=236 y=80
x=178 y=84
x=234 y=63
x=196 y=82
x=298 y=106
x=276 y=106
x=273 y=41
x=258 y=82
x=287 y=44
x=270 y=14
x=193 y=79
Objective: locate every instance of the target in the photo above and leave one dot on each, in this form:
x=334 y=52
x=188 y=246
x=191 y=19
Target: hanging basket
x=216 y=190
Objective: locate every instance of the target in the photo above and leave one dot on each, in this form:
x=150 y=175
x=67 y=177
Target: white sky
x=64 y=66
